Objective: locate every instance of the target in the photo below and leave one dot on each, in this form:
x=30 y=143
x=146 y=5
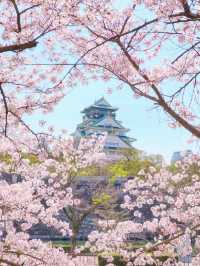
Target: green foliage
x=6 y=158
x=102 y=199
x=117 y=261
x=65 y=244
x=117 y=170
x=33 y=159
x=131 y=163
x=92 y=170
x=128 y=167
x=173 y=168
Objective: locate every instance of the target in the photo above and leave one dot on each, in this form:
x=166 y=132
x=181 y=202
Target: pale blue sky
x=149 y=127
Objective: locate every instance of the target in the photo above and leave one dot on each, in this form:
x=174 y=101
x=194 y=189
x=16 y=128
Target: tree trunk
x=74 y=239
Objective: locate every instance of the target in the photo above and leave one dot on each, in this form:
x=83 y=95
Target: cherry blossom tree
x=102 y=41
x=39 y=197
x=29 y=32
x=150 y=46
x=173 y=199
x=47 y=46
x=23 y=203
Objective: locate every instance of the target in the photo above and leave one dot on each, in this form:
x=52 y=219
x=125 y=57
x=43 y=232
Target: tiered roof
x=100 y=104
x=108 y=121
x=99 y=118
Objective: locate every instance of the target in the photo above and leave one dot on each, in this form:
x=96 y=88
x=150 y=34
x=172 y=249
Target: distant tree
x=130 y=164
x=100 y=203
x=156 y=159
x=67 y=160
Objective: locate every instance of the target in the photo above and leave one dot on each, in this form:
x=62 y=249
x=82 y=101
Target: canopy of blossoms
x=173 y=199
x=151 y=47
x=46 y=48
x=42 y=192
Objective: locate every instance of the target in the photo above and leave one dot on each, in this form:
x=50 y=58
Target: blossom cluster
x=173 y=200
x=42 y=191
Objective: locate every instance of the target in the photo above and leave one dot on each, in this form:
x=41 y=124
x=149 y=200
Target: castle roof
x=108 y=121
x=100 y=117
x=116 y=142
x=100 y=104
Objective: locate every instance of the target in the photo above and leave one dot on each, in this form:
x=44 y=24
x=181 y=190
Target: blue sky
x=149 y=127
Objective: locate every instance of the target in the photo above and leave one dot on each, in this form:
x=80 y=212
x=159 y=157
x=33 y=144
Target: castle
x=100 y=118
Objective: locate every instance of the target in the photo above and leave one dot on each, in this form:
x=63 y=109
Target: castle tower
x=100 y=118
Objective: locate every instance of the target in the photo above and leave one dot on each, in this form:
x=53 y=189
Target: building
x=179 y=155
x=100 y=118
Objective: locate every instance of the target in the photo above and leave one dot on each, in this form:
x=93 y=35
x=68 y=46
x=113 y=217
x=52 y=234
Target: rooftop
x=102 y=103
x=99 y=118
x=109 y=122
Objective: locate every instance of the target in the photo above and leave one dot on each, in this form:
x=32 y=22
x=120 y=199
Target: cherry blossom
x=40 y=195
x=174 y=218
x=46 y=49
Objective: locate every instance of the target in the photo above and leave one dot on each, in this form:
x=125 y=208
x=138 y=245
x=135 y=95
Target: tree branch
x=161 y=101
x=29 y=8
x=6 y=109
x=18 y=15
x=18 y=47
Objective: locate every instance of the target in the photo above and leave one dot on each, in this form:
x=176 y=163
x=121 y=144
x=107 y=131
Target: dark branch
x=161 y=101
x=187 y=50
x=18 y=47
x=18 y=15
x=29 y=8
x=6 y=109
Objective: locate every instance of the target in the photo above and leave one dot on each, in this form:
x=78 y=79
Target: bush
x=118 y=261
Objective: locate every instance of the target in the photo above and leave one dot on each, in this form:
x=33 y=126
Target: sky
x=149 y=127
